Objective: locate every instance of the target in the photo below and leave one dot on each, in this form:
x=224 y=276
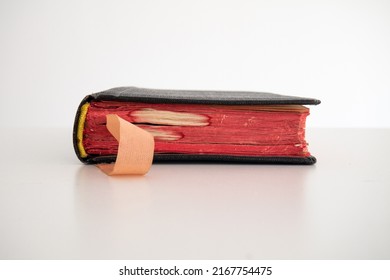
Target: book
x=233 y=126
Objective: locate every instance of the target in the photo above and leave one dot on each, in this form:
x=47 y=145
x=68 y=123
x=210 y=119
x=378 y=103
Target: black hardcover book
x=187 y=125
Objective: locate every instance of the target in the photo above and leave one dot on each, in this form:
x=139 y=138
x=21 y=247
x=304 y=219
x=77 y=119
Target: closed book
x=187 y=125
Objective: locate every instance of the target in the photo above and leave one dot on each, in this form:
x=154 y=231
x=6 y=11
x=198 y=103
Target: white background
x=53 y=53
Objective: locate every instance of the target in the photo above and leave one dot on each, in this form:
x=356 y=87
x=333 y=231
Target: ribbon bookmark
x=135 y=151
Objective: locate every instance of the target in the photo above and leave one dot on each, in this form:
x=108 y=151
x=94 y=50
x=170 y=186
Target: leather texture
x=201 y=97
x=196 y=97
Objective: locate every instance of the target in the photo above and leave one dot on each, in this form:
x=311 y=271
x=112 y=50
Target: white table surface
x=54 y=207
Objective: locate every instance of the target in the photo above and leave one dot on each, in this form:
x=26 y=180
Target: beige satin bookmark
x=135 y=151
